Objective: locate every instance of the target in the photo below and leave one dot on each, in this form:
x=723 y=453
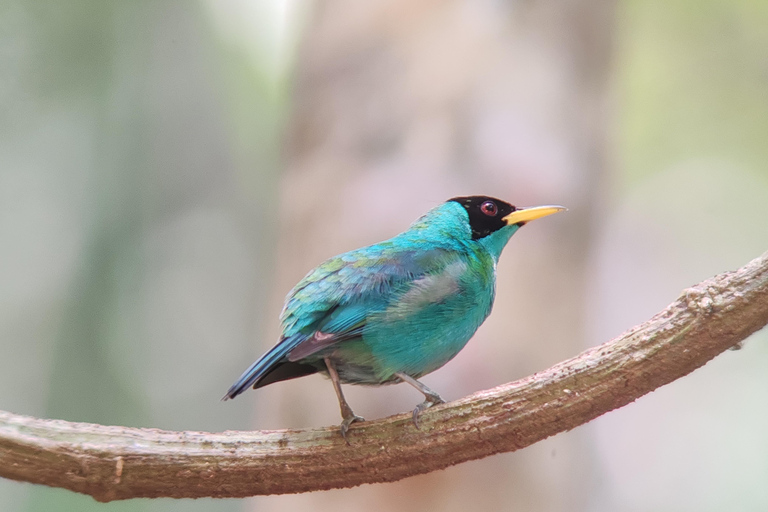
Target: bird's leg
x=431 y=398
x=347 y=415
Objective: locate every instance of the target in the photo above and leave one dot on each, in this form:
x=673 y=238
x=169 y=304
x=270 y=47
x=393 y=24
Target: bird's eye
x=489 y=208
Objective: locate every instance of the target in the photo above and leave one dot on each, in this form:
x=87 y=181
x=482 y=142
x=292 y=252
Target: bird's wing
x=332 y=302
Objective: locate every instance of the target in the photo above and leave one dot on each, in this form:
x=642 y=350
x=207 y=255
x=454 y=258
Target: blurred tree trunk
x=400 y=105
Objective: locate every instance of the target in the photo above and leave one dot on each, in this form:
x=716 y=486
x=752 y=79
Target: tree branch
x=111 y=463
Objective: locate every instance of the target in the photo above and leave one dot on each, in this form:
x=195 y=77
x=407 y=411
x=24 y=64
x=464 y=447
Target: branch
x=112 y=463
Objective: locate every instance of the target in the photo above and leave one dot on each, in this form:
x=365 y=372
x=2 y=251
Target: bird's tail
x=260 y=368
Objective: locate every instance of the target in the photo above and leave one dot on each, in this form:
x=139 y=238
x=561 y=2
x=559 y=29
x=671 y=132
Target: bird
x=396 y=310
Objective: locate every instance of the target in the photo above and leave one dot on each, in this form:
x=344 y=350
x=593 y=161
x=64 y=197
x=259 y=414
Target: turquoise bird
x=397 y=310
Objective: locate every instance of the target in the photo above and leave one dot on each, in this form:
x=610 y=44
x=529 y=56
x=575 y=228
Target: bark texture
x=111 y=463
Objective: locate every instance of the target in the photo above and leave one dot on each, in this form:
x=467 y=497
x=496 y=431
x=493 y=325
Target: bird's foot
x=348 y=420
x=432 y=399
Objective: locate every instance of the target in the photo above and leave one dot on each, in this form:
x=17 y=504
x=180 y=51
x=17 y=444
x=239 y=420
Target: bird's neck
x=496 y=241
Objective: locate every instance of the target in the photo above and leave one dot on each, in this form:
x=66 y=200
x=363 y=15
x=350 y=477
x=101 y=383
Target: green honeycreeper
x=394 y=311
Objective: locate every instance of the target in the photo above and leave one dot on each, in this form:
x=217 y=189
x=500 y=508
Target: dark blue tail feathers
x=263 y=366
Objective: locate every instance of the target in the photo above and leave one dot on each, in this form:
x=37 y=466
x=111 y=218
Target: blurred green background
x=168 y=170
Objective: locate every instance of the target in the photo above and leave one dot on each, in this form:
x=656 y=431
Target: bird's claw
x=423 y=406
x=348 y=420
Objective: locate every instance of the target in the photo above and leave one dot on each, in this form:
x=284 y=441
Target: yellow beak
x=528 y=214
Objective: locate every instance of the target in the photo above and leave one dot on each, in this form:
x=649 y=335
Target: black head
x=486 y=214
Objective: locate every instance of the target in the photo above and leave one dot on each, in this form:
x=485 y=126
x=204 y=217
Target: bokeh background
x=168 y=170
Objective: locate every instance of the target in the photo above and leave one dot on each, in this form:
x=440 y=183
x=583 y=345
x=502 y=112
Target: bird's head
x=492 y=221
x=487 y=215
x=482 y=220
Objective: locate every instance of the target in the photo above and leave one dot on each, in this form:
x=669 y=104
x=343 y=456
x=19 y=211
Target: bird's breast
x=432 y=320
